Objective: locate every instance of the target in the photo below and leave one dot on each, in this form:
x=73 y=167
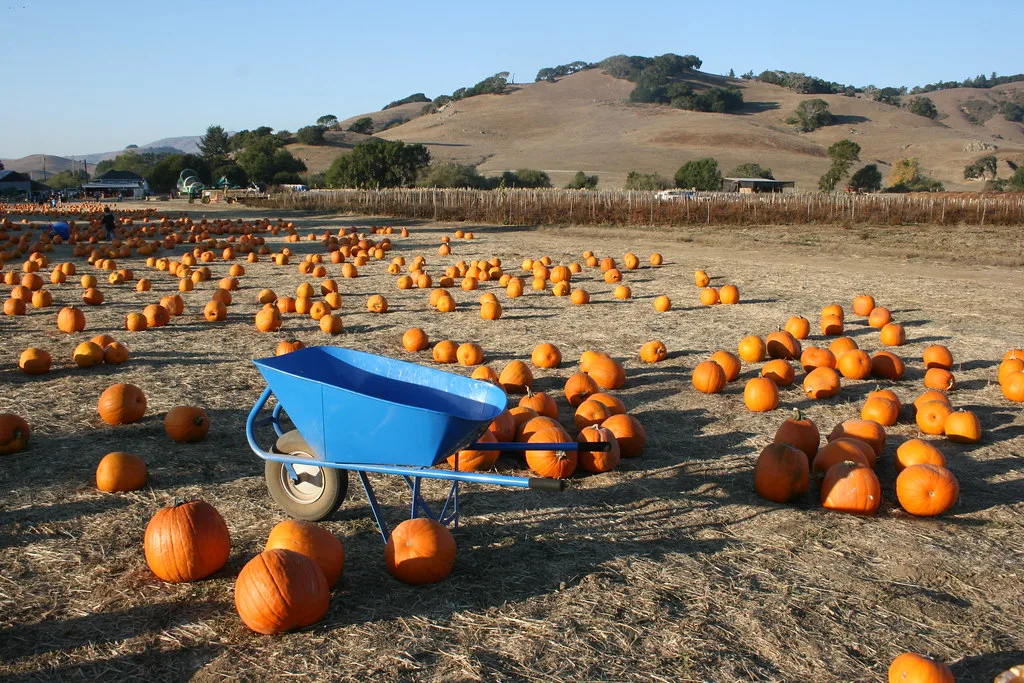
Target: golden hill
x=585 y=122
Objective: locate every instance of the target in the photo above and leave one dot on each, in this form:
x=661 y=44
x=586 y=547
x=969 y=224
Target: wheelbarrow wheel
x=316 y=493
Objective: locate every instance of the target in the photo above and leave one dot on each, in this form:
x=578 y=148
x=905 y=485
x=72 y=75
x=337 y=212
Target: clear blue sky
x=82 y=77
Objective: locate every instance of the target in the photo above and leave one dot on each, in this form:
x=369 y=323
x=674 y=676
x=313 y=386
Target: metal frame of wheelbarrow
x=413 y=476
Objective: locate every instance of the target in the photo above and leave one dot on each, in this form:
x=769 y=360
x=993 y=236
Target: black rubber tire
x=323 y=488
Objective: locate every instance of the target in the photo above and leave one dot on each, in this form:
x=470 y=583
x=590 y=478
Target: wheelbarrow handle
x=550 y=485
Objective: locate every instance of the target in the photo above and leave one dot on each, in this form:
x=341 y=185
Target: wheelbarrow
x=369 y=414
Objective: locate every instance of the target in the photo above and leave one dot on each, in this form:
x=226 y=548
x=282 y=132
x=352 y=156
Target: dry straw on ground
x=669 y=569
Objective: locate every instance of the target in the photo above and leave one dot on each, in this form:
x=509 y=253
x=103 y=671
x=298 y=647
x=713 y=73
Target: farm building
x=748 y=185
x=126 y=183
x=14 y=183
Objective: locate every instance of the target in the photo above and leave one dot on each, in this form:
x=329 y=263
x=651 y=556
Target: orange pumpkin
x=782 y=344
x=187 y=424
x=798 y=326
x=800 y=433
x=598 y=461
x=469 y=354
x=842 y=450
x=729 y=362
x=821 y=383
x=752 y=349
x=927 y=490
x=708 y=377
x=917 y=452
x=880 y=409
x=653 y=352
x=761 y=394
x=868 y=431
x=554 y=464
x=606 y=371
x=863 y=304
x=87 y=354
x=281 y=590
x=546 y=356
x=779 y=371
x=590 y=413
x=120 y=472
x=630 y=434
x=939 y=378
x=186 y=542
x=122 y=404
x=914 y=668
x=541 y=402
x=931 y=417
x=34 y=361
x=851 y=487
x=578 y=387
x=14 y=433
x=475 y=460
x=962 y=426
x=516 y=377
x=886 y=365
x=938 y=356
x=781 y=473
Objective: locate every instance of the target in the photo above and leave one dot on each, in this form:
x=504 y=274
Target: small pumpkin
x=729 y=295
x=415 y=339
x=313 y=541
x=546 y=356
x=476 y=460
x=882 y=410
x=598 y=461
x=814 y=357
x=35 y=361
x=939 y=378
x=653 y=352
x=708 y=377
x=186 y=542
x=887 y=365
x=115 y=353
x=87 y=354
x=867 y=431
x=752 y=349
x=760 y=394
x=540 y=402
x=821 y=383
x=842 y=450
x=917 y=452
x=709 y=296
x=70 y=320
x=578 y=387
x=281 y=590
x=420 y=551
x=662 y=304
x=863 y=305
x=516 y=377
x=798 y=326
x=781 y=473
x=910 y=667
x=554 y=464
x=938 y=356
x=801 y=433
x=469 y=354
x=187 y=424
x=630 y=434
x=701 y=279
x=851 y=487
x=879 y=317
x=590 y=413
x=269 y=318
x=779 y=371
x=445 y=351
x=606 y=371
x=854 y=364
x=288 y=346
x=931 y=417
x=14 y=433
x=121 y=472
x=782 y=344
x=729 y=362
x=122 y=404
x=962 y=426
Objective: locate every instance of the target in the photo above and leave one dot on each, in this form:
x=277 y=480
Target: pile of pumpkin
x=845 y=466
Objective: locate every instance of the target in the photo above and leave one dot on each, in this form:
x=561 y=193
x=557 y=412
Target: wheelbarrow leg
x=378 y=515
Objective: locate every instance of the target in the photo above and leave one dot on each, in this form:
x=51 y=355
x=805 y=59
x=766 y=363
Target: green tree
x=843 y=155
x=65 y=179
x=984 y=168
x=215 y=145
x=311 y=135
x=700 y=174
x=811 y=115
x=327 y=121
x=867 y=179
x=526 y=177
x=450 y=174
x=582 y=181
x=234 y=174
x=140 y=163
x=378 y=163
x=751 y=170
x=164 y=174
x=257 y=159
x=923 y=106
x=363 y=125
x=645 y=181
x=1016 y=181
x=1012 y=111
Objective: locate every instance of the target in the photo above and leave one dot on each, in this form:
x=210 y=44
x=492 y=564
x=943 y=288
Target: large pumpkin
x=781 y=473
x=782 y=344
x=122 y=404
x=555 y=464
x=14 y=433
x=187 y=542
x=760 y=394
x=606 y=371
x=313 y=541
x=281 y=590
x=187 y=424
x=910 y=667
x=70 y=319
x=868 y=431
x=121 y=472
x=708 y=377
x=420 y=551
x=851 y=487
x=927 y=490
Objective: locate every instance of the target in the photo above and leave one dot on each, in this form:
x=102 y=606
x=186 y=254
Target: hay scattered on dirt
x=670 y=569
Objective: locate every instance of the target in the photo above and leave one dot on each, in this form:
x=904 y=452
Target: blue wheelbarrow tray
x=360 y=408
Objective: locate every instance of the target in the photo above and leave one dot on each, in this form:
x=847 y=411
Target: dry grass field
x=670 y=568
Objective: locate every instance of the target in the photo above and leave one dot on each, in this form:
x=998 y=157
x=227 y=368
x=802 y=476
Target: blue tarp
x=62 y=229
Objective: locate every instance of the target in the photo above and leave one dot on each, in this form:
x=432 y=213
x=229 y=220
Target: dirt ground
x=670 y=568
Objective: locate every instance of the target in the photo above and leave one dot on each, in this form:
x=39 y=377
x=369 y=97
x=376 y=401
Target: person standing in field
x=109 y=223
